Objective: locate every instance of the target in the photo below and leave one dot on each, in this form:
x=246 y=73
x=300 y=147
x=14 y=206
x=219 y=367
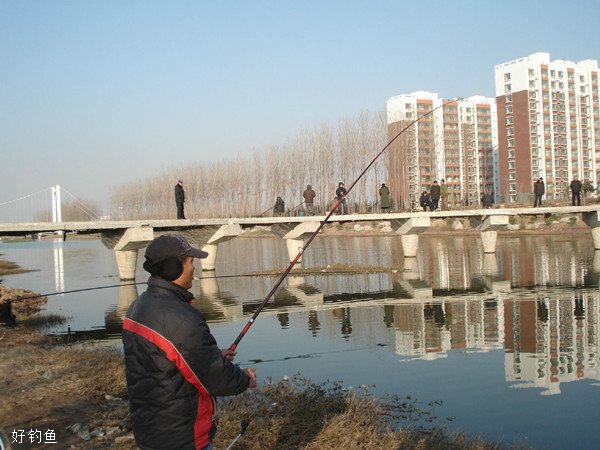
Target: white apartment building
x=549 y=125
x=457 y=142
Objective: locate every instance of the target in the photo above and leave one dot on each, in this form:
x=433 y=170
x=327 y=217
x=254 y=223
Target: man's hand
x=228 y=354
x=251 y=372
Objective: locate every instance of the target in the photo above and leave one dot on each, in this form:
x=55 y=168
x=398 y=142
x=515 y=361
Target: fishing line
x=322 y=224
x=110 y=286
x=308 y=355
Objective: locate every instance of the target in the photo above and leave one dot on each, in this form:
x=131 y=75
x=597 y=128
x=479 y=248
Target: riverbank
x=77 y=395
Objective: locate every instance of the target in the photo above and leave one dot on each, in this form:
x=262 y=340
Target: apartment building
x=549 y=125
x=457 y=143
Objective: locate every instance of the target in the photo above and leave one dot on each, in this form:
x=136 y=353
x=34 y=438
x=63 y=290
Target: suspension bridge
x=126 y=237
x=46 y=206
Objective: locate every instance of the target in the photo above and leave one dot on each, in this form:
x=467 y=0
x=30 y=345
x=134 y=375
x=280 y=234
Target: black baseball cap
x=171 y=245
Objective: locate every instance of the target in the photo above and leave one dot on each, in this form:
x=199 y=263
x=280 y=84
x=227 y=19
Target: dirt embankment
x=55 y=392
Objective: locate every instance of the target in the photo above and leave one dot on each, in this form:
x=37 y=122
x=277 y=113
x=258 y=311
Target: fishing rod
x=110 y=286
x=325 y=220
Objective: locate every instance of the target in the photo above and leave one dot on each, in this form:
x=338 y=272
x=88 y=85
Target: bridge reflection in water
x=537 y=299
x=531 y=298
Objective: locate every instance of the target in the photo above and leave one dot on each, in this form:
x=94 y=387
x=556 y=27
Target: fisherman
x=173 y=366
x=340 y=194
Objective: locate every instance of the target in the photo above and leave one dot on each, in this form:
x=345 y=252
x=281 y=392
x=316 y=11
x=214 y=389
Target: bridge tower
x=56 y=208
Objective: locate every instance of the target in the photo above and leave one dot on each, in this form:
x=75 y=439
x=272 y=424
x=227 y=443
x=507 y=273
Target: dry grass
x=333 y=269
x=10 y=268
x=46 y=321
x=302 y=415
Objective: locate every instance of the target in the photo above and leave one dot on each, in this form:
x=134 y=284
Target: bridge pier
x=592 y=220
x=126 y=243
x=295 y=286
x=294 y=235
x=490 y=275
x=409 y=229
x=209 y=237
x=488 y=227
x=411 y=281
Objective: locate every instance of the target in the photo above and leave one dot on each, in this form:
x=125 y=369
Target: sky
x=97 y=94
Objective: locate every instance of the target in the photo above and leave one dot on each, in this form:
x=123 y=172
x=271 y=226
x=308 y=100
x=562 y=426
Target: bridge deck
x=20 y=229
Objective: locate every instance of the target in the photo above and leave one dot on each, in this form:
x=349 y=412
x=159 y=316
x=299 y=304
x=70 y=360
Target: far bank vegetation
x=248 y=186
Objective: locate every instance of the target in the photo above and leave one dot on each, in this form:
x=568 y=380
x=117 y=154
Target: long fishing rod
x=320 y=227
x=110 y=286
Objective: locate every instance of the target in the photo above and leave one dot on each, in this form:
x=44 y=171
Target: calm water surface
x=504 y=345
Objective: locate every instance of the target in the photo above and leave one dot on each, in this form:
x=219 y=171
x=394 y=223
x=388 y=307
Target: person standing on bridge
x=575 y=191
x=340 y=194
x=434 y=194
x=173 y=365
x=309 y=199
x=539 y=189
x=444 y=194
x=385 y=203
x=179 y=199
x=279 y=208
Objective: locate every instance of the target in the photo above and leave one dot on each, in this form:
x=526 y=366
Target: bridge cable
x=84 y=208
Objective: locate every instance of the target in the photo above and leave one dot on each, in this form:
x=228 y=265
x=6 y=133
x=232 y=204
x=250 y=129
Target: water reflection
x=531 y=298
x=59 y=265
x=552 y=339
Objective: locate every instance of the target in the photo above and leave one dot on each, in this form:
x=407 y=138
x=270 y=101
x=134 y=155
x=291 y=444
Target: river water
x=504 y=346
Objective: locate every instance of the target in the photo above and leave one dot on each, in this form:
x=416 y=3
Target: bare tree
x=248 y=186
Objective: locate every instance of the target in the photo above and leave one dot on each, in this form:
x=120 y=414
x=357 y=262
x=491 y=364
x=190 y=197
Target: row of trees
x=248 y=186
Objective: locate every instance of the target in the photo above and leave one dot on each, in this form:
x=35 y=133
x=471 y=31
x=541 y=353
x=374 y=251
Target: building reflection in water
x=451 y=297
x=552 y=339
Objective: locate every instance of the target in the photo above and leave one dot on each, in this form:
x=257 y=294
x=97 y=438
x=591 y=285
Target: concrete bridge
x=125 y=238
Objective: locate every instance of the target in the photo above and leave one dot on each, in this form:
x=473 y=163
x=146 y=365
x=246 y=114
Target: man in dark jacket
x=575 y=191
x=539 y=189
x=279 y=208
x=309 y=199
x=434 y=193
x=173 y=365
x=179 y=199
x=340 y=194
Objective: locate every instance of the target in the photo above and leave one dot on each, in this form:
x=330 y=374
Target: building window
x=509 y=109
x=507 y=76
x=508 y=98
x=531 y=84
x=531 y=72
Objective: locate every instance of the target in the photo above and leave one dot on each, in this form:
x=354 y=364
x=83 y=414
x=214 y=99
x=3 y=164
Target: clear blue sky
x=98 y=93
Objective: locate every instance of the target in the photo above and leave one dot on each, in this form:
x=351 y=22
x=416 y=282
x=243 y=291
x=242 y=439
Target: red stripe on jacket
x=203 y=421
